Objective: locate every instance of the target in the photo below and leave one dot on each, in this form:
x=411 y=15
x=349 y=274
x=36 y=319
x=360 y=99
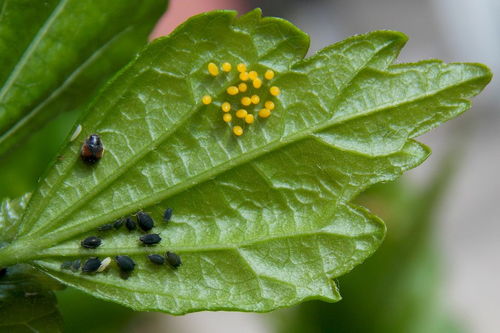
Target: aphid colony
x=125 y=263
x=243 y=97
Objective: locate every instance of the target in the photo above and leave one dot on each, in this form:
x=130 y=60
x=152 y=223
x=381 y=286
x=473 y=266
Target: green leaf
x=261 y=221
x=26 y=302
x=55 y=53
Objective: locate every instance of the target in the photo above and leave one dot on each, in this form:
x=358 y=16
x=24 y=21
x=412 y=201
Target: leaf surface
x=55 y=53
x=260 y=221
x=11 y=212
x=403 y=278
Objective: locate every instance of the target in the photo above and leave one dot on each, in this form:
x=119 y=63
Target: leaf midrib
x=75 y=252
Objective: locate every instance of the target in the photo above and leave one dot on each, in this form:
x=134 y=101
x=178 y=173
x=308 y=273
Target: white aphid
x=104 y=264
x=76 y=133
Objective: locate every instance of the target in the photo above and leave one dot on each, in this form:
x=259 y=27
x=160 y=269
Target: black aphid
x=156 y=259
x=105 y=227
x=3 y=272
x=118 y=224
x=150 y=239
x=173 y=259
x=76 y=265
x=130 y=224
x=167 y=215
x=91 y=265
x=125 y=263
x=92 y=149
x=66 y=264
x=91 y=242
x=145 y=221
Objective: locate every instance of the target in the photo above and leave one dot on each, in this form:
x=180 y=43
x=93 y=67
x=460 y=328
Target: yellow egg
x=237 y=130
x=257 y=83
x=206 y=99
x=269 y=105
x=269 y=75
x=255 y=99
x=242 y=87
x=275 y=91
x=232 y=90
x=244 y=76
x=241 y=113
x=213 y=69
x=249 y=118
x=226 y=107
x=264 y=113
x=246 y=101
x=226 y=67
x=252 y=75
x=241 y=68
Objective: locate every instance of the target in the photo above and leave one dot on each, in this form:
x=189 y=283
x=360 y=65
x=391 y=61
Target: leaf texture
x=55 y=53
x=11 y=212
x=260 y=221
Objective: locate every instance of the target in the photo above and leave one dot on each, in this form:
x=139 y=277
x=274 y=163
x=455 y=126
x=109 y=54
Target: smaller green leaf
x=55 y=54
x=26 y=302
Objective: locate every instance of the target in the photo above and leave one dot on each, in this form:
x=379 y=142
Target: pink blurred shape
x=180 y=10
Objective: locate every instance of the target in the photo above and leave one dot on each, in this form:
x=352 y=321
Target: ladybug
x=92 y=150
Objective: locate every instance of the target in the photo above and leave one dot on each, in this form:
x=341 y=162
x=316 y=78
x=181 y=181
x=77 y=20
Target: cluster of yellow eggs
x=247 y=102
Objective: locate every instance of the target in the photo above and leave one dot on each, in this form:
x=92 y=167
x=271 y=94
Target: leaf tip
x=482 y=70
x=420 y=151
x=397 y=37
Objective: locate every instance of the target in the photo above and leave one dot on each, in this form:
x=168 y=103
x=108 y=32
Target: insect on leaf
x=262 y=220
